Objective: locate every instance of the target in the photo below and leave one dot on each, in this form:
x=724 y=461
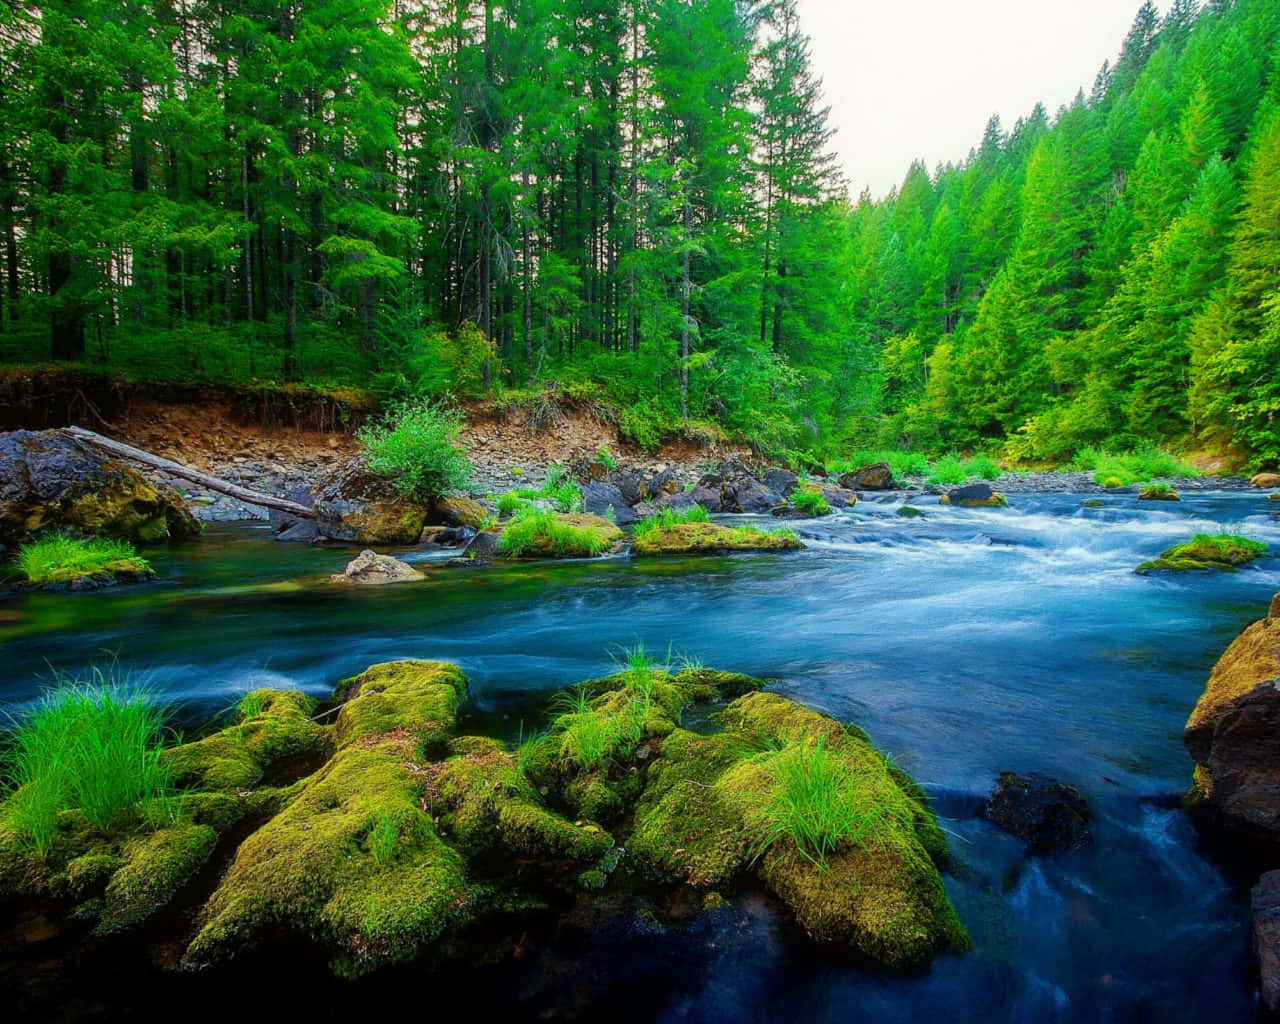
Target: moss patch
x=154 y=867
x=1252 y=660
x=1158 y=492
x=1224 y=551
x=711 y=539
x=996 y=500
x=419 y=697
x=555 y=535
x=353 y=863
x=458 y=511
x=270 y=725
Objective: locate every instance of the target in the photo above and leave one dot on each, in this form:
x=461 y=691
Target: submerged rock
x=711 y=539
x=358 y=507
x=878 y=476
x=974 y=496
x=1048 y=814
x=369 y=569
x=51 y=481
x=1234 y=732
x=910 y=512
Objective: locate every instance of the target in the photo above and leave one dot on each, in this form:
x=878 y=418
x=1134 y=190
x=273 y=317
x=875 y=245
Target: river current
x=966 y=642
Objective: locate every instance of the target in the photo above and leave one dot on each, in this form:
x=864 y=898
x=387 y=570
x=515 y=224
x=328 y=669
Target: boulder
x=681 y=501
x=710 y=539
x=1048 y=814
x=876 y=477
x=707 y=497
x=780 y=481
x=1224 y=552
x=359 y=507
x=973 y=496
x=483 y=547
x=458 y=511
x=598 y=497
x=51 y=481
x=1158 y=492
x=369 y=569
x=1234 y=732
x=1264 y=901
x=303 y=531
x=1265 y=480
x=839 y=497
x=910 y=512
x=749 y=495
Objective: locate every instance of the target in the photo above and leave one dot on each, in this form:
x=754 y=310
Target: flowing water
x=966 y=643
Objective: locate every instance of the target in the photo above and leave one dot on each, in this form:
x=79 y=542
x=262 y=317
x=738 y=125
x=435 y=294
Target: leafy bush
x=810 y=502
x=92 y=746
x=983 y=467
x=417 y=448
x=948 y=470
x=1137 y=466
x=903 y=463
x=562 y=492
x=61 y=559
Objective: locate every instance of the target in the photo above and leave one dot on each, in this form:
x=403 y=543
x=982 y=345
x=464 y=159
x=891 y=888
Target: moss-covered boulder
x=419 y=699
x=153 y=867
x=456 y=510
x=50 y=481
x=1158 y=492
x=359 y=507
x=1234 y=732
x=353 y=864
x=270 y=725
x=1204 y=552
x=973 y=496
x=537 y=535
x=718 y=806
x=710 y=539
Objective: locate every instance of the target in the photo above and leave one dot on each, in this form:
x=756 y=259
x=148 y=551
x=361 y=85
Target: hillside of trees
x=637 y=200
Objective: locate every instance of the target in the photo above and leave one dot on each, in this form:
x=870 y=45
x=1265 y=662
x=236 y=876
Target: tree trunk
x=685 y=289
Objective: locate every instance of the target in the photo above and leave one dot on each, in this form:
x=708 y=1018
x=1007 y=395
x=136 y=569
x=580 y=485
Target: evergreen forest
x=636 y=202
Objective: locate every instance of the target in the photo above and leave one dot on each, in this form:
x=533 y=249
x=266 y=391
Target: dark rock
x=750 y=495
x=358 y=507
x=780 y=481
x=1265 y=903
x=973 y=492
x=910 y=512
x=51 y=481
x=681 y=501
x=875 y=477
x=839 y=497
x=598 y=497
x=283 y=521
x=447 y=536
x=629 y=484
x=303 y=531
x=707 y=497
x=1048 y=814
x=483 y=546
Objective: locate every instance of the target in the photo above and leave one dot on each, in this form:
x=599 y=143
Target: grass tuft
x=546 y=535
x=64 y=559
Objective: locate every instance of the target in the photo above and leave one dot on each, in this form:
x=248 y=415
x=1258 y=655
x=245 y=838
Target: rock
x=630 y=485
x=749 y=495
x=1274 y=611
x=839 y=497
x=558 y=535
x=599 y=497
x=710 y=539
x=1158 y=492
x=1264 y=901
x=50 y=481
x=707 y=497
x=447 y=536
x=458 y=511
x=1048 y=814
x=303 y=531
x=681 y=501
x=1234 y=732
x=1265 y=480
x=876 y=477
x=283 y=521
x=358 y=507
x=369 y=569
x=780 y=481
x=910 y=512
x=973 y=496
x=483 y=547
x=1224 y=552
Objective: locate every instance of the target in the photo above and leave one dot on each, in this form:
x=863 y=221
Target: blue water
x=965 y=643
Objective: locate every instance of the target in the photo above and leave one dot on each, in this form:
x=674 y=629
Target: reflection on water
x=966 y=642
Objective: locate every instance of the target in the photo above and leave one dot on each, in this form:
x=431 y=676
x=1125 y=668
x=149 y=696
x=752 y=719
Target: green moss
x=458 y=511
x=534 y=534
x=420 y=698
x=218 y=810
x=1224 y=551
x=271 y=724
x=1158 y=492
x=63 y=561
x=387 y=523
x=87 y=875
x=996 y=500
x=711 y=538
x=154 y=868
x=910 y=512
x=311 y=871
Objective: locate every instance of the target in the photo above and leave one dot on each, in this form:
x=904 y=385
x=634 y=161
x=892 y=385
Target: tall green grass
x=902 y=463
x=1129 y=467
x=543 y=533
x=63 y=559
x=668 y=518
x=559 y=489
x=91 y=746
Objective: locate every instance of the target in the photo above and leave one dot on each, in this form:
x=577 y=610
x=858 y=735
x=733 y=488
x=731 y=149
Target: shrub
x=1137 y=466
x=562 y=492
x=947 y=470
x=92 y=746
x=810 y=502
x=511 y=503
x=901 y=462
x=983 y=467
x=417 y=449
x=62 y=559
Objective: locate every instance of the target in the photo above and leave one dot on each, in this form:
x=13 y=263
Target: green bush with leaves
x=417 y=449
x=810 y=502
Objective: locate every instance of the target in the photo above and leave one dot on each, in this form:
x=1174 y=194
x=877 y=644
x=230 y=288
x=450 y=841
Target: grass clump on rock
x=692 y=533
x=1224 y=551
x=811 y=502
x=533 y=534
x=59 y=561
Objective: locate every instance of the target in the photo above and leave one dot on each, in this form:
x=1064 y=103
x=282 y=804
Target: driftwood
x=194 y=475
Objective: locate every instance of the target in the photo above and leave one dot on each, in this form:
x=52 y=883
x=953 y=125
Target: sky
x=918 y=79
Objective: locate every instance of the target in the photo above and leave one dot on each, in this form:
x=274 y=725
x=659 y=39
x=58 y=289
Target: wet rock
x=710 y=539
x=483 y=547
x=51 y=481
x=1202 y=553
x=1265 y=480
x=358 y=507
x=370 y=569
x=1158 y=492
x=1234 y=732
x=707 y=497
x=447 y=536
x=598 y=497
x=973 y=496
x=910 y=512
x=458 y=511
x=303 y=531
x=876 y=477
x=780 y=481
x=749 y=495
x=839 y=497
x=1264 y=901
x=1048 y=814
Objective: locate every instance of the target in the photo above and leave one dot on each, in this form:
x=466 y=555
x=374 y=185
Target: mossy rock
x=1221 y=552
x=910 y=512
x=711 y=539
x=1158 y=492
x=154 y=867
x=417 y=698
x=996 y=500
x=353 y=864
x=705 y=818
x=548 y=535
x=458 y=511
x=270 y=725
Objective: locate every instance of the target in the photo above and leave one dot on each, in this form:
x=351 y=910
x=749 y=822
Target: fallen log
x=177 y=469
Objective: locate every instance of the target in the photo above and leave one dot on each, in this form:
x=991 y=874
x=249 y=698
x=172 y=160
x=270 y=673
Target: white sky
x=910 y=79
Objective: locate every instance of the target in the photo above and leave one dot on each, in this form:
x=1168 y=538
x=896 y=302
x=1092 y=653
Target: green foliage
x=903 y=463
x=65 y=559
x=546 y=534
x=91 y=746
x=810 y=502
x=947 y=470
x=1130 y=467
x=561 y=491
x=667 y=518
x=417 y=449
